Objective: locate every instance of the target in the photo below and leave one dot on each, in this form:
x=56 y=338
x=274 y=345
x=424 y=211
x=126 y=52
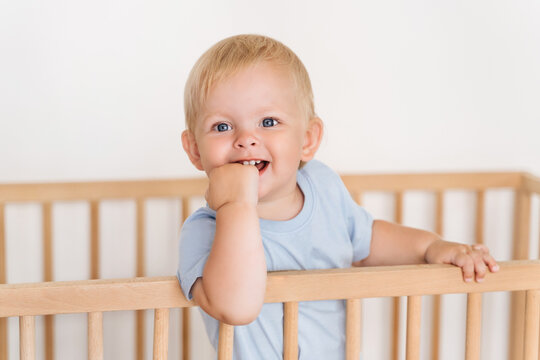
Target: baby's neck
x=283 y=208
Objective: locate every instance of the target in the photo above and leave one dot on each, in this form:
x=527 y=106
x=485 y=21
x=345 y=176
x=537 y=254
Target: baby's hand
x=473 y=260
x=232 y=183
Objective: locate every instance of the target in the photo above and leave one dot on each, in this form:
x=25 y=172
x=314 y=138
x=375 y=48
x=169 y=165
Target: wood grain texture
x=70 y=191
x=474 y=326
x=185 y=319
x=433 y=181
x=282 y=286
x=353 y=329
x=48 y=271
x=225 y=342
x=479 y=226
x=140 y=271
x=161 y=334
x=532 y=325
x=437 y=299
x=414 y=311
x=395 y=325
x=290 y=331
x=27 y=337
x=95 y=336
x=94 y=240
x=522 y=214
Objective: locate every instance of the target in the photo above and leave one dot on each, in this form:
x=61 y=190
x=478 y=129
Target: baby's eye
x=269 y=122
x=222 y=127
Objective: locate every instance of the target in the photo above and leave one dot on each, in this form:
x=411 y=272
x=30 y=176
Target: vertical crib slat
x=358 y=198
x=225 y=341
x=186 y=314
x=532 y=325
x=353 y=329
x=480 y=217
x=355 y=348
x=140 y=326
x=474 y=300
x=474 y=326
x=290 y=331
x=398 y=209
x=95 y=336
x=436 y=311
x=140 y=323
x=186 y=325
x=27 y=337
x=414 y=310
x=140 y=220
x=3 y=280
x=161 y=334
x=94 y=240
x=48 y=275
x=398 y=217
x=522 y=213
x=47 y=242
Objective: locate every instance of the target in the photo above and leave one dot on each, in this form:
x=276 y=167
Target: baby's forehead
x=225 y=74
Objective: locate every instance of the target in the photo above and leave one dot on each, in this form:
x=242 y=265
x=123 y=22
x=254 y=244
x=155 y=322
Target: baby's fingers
x=467 y=265
x=480 y=268
x=475 y=263
x=487 y=258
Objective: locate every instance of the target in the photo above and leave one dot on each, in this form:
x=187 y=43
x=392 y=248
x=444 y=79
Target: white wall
x=93 y=90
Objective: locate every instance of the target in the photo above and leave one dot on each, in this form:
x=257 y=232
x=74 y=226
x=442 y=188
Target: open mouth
x=259 y=164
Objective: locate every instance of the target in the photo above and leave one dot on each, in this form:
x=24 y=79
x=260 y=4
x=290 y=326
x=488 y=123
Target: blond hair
x=236 y=53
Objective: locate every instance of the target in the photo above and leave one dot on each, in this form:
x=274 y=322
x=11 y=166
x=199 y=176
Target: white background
x=93 y=90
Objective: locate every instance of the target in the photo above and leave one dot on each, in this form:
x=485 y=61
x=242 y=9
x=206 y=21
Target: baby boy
x=252 y=128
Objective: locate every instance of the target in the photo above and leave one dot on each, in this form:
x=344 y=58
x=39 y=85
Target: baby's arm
x=393 y=244
x=234 y=278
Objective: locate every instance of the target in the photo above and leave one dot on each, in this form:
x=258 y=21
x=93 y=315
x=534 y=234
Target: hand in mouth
x=259 y=164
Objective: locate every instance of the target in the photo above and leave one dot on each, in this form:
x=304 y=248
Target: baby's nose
x=245 y=140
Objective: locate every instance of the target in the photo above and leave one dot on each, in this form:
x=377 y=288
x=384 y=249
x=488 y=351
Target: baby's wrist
x=237 y=205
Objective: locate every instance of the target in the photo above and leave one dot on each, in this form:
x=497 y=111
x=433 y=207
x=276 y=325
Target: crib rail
x=523 y=184
x=288 y=287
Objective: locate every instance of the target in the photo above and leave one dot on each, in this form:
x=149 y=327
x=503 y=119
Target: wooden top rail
x=434 y=181
x=68 y=191
x=282 y=286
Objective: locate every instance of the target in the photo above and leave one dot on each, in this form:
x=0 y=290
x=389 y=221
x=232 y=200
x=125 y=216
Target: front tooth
x=246 y=162
x=252 y=162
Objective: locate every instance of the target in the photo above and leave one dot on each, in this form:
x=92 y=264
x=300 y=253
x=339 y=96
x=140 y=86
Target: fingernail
x=480 y=280
x=468 y=279
x=496 y=268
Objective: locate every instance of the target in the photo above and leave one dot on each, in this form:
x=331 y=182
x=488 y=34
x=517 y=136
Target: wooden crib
x=96 y=296
x=289 y=287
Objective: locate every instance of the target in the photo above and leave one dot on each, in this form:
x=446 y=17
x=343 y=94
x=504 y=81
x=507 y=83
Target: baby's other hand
x=474 y=260
x=232 y=183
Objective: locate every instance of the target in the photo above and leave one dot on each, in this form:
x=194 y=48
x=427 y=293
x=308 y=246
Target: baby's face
x=255 y=116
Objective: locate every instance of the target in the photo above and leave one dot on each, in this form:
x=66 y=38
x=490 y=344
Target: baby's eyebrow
x=214 y=116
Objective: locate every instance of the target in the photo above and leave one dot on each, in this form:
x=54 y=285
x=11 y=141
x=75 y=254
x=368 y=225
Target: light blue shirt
x=331 y=231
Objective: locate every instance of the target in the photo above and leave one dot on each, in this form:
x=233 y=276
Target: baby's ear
x=192 y=150
x=312 y=138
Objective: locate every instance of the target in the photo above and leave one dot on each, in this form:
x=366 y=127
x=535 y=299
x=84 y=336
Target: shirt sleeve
x=196 y=240
x=360 y=223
